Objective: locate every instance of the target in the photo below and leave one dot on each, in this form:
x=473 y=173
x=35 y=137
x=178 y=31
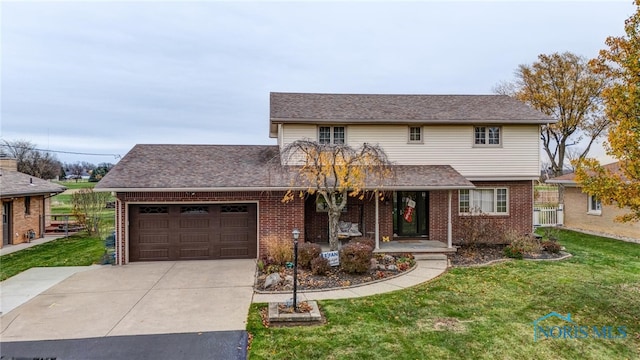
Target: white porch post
x=377 y=222
x=449 y=236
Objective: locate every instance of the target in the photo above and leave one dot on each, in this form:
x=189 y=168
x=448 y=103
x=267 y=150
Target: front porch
x=407 y=246
x=415 y=246
x=399 y=222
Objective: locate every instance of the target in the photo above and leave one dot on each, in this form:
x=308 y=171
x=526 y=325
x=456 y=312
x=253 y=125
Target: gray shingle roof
x=194 y=167
x=13 y=183
x=238 y=167
x=382 y=109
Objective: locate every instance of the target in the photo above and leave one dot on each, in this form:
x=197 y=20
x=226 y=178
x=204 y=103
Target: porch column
x=377 y=222
x=449 y=236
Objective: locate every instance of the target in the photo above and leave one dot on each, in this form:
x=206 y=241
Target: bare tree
x=75 y=170
x=32 y=161
x=88 y=206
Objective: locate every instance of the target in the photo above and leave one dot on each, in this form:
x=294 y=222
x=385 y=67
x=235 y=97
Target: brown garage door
x=192 y=232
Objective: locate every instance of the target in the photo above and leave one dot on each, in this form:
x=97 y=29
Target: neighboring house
x=454 y=155
x=585 y=212
x=25 y=204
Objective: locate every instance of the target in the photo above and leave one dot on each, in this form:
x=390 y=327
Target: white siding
x=446 y=145
x=293 y=132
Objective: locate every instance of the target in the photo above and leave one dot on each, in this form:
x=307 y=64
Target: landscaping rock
x=374 y=264
x=288 y=280
x=272 y=280
x=392 y=267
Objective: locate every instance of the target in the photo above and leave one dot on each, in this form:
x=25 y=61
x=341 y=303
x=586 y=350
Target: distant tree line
x=45 y=165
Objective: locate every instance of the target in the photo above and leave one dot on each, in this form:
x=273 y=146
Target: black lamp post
x=296 y=235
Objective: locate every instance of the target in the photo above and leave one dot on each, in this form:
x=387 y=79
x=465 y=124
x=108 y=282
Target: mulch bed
x=484 y=254
x=383 y=267
x=336 y=278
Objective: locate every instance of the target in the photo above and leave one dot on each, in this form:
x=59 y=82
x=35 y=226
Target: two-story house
x=453 y=155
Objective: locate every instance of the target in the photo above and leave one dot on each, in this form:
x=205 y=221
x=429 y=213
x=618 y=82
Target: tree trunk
x=334 y=218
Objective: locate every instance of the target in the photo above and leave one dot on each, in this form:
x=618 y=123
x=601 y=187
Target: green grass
x=81 y=184
x=490 y=311
x=61 y=204
x=76 y=250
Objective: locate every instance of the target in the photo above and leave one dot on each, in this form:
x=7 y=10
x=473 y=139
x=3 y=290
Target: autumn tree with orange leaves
x=335 y=172
x=563 y=86
x=621 y=63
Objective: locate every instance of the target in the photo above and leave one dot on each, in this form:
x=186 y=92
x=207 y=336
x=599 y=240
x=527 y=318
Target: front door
x=6 y=223
x=411 y=213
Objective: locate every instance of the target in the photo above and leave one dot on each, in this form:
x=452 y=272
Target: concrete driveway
x=138 y=299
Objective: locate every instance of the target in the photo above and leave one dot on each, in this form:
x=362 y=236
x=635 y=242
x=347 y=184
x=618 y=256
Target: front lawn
x=481 y=313
x=76 y=250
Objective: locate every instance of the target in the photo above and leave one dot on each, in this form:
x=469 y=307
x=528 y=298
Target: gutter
x=232 y=189
x=562 y=182
x=355 y=121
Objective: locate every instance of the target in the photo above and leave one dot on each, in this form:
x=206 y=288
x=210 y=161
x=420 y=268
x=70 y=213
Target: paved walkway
x=23 y=287
x=8 y=249
x=427 y=268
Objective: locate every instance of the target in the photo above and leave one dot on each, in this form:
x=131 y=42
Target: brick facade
x=576 y=216
x=22 y=221
x=519 y=219
x=276 y=219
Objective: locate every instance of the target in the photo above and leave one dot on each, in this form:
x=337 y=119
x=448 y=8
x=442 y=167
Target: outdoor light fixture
x=296 y=235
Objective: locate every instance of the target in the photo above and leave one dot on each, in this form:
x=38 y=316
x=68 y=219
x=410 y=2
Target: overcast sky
x=100 y=77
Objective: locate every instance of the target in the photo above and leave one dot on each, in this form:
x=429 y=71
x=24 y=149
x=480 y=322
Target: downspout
x=377 y=222
x=43 y=222
x=449 y=232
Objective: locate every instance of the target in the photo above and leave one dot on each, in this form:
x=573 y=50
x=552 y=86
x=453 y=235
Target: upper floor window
x=487 y=136
x=486 y=201
x=595 y=205
x=331 y=135
x=415 y=134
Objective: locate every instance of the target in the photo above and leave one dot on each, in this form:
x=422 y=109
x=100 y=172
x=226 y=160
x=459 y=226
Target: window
x=27 y=205
x=415 y=134
x=153 y=210
x=595 y=205
x=331 y=135
x=486 y=201
x=486 y=135
x=194 y=210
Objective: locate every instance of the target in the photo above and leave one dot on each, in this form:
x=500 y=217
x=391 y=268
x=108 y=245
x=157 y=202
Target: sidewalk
x=8 y=249
x=427 y=268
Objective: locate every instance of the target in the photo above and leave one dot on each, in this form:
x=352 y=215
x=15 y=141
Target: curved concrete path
x=427 y=268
